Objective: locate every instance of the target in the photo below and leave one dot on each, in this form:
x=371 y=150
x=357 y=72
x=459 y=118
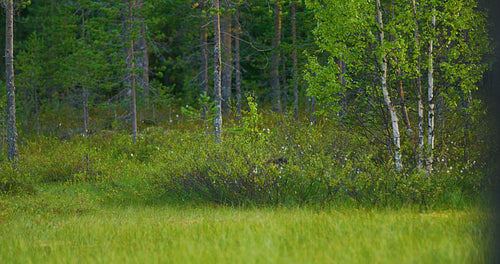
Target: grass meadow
x=70 y=224
x=281 y=193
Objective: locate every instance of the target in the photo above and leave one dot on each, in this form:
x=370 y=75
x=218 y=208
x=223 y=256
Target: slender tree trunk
x=132 y=70
x=275 y=59
x=217 y=72
x=125 y=36
x=237 y=61
x=204 y=56
x=141 y=48
x=227 y=67
x=430 y=99
x=385 y=92
x=420 y=106
x=11 y=89
x=294 y=58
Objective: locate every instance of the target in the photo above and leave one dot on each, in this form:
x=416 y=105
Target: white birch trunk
x=217 y=72
x=420 y=106
x=387 y=99
x=430 y=99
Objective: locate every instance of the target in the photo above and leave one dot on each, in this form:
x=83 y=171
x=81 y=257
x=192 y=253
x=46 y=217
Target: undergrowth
x=271 y=160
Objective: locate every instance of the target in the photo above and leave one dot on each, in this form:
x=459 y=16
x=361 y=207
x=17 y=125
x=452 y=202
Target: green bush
x=262 y=159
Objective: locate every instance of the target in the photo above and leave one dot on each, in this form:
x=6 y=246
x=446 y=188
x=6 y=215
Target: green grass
x=178 y=197
x=70 y=224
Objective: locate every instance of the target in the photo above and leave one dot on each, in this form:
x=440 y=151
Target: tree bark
x=204 y=56
x=125 y=36
x=294 y=58
x=226 y=60
x=132 y=70
x=217 y=72
x=11 y=89
x=385 y=92
x=275 y=59
x=237 y=61
x=430 y=99
x=420 y=106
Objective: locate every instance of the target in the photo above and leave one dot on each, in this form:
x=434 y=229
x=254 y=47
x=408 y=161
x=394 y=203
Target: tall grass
x=207 y=234
x=273 y=191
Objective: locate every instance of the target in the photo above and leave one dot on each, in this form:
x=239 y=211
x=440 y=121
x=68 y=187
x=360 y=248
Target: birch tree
x=430 y=96
x=420 y=105
x=385 y=92
x=227 y=67
x=217 y=71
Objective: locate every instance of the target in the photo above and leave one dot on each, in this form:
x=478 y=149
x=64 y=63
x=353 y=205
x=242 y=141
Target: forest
x=308 y=110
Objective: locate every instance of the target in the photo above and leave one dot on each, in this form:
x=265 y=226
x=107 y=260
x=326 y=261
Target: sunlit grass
x=104 y=199
x=209 y=234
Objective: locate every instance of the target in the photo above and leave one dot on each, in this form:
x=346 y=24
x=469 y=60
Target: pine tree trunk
x=430 y=100
x=125 y=36
x=204 y=56
x=217 y=72
x=385 y=92
x=226 y=60
x=141 y=48
x=132 y=71
x=275 y=59
x=11 y=90
x=237 y=61
x=203 y=42
x=294 y=58
x=420 y=106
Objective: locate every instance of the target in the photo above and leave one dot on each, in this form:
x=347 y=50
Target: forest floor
x=76 y=223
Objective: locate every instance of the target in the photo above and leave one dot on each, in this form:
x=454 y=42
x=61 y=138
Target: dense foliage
x=271 y=161
x=75 y=59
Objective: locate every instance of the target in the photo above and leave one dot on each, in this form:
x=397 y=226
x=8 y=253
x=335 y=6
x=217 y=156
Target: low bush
x=260 y=160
